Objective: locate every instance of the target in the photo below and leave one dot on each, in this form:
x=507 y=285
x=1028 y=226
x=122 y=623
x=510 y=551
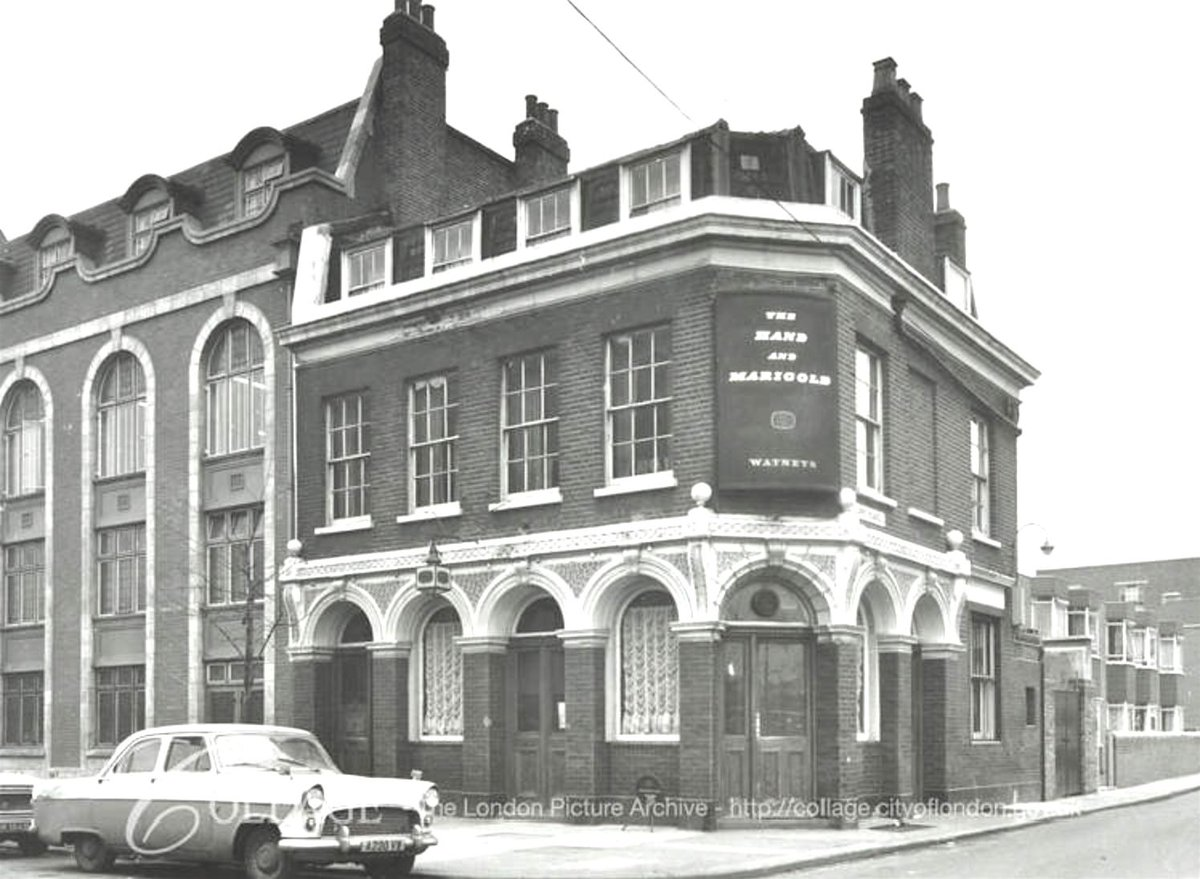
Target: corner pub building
x=694 y=470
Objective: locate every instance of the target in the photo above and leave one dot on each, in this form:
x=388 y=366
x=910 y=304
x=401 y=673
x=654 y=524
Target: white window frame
x=546 y=424
x=152 y=210
x=231 y=679
x=56 y=250
x=1168 y=654
x=419 y=728
x=381 y=254
x=24 y=582
x=258 y=180
x=869 y=419
x=981 y=477
x=219 y=555
x=1132 y=592
x=984 y=672
x=867 y=690
x=838 y=185
x=27 y=689
x=24 y=441
x=471 y=254
x=235 y=396
x=617 y=726
x=1109 y=654
x=658 y=476
x=629 y=184
x=121 y=421
x=567 y=221
x=446 y=436
x=1137 y=645
x=130 y=681
x=357 y=462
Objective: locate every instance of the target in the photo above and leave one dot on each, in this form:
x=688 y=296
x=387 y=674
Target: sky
x=1059 y=126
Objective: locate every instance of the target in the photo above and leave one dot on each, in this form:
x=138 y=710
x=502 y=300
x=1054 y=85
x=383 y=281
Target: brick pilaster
x=311 y=669
x=944 y=714
x=838 y=752
x=485 y=704
x=699 y=725
x=587 y=753
x=895 y=715
x=389 y=709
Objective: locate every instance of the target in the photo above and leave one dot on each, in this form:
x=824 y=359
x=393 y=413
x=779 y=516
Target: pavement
x=511 y=848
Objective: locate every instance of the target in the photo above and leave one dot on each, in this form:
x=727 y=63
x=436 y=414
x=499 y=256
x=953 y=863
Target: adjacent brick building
x=692 y=472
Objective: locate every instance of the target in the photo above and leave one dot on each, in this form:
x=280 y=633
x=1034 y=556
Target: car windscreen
x=278 y=751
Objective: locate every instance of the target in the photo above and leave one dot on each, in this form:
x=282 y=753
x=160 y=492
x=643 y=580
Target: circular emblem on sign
x=782 y=419
x=764 y=602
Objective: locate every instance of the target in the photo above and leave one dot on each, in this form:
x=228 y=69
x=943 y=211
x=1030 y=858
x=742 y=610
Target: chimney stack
x=542 y=153
x=950 y=231
x=898 y=155
x=412 y=112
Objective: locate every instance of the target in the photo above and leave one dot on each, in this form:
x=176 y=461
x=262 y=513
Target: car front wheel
x=392 y=868
x=92 y=855
x=262 y=857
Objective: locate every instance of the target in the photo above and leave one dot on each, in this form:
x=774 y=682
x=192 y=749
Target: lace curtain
x=442 y=710
x=650 y=671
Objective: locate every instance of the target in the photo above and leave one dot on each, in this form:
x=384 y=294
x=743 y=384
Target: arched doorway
x=537 y=715
x=928 y=628
x=766 y=695
x=351 y=696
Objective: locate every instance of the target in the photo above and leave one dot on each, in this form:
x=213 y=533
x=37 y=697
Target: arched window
x=649 y=666
x=441 y=667
x=121 y=416
x=23 y=440
x=235 y=390
x=868 y=677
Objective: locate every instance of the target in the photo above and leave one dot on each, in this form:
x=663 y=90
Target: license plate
x=14 y=826
x=383 y=845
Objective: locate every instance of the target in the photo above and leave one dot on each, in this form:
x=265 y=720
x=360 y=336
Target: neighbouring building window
x=1118 y=718
x=1132 y=593
x=842 y=191
x=1152 y=647
x=868 y=415
x=654 y=183
x=1118 y=648
x=433 y=440
x=453 y=244
x=24 y=441
x=984 y=694
x=441 y=675
x=121 y=415
x=1140 y=718
x=649 y=666
x=530 y=423
x=981 y=469
x=639 y=403
x=56 y=250
x=257 y=181
x=347 y=452
x=1168 y=654
x=235 y=555
x=1031 y=706
x=142 y=224
x=1172 y=719
x=223 y=696
x=120 y=702
x=22 y=709
x=868 y=678
x=24 y=583
x=1081 y=621
x=1137 y=646
x=235 y=390
x=366 y=269
x=547 y=215
x=121 y=553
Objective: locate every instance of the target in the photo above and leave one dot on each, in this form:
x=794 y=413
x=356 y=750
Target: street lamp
x=1020 y=608
x=433 y=578
x=1047 y=547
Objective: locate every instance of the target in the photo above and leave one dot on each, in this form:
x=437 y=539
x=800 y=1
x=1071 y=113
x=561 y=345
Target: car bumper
x=335 y=848
x=11 y=827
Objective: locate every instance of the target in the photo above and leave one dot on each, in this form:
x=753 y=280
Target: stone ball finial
x=847 y=497
x=701 y=493
x=954 y=539
x=294 y=548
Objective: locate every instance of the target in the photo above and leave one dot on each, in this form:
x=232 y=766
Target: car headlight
x=430 y=800
x=313 y=799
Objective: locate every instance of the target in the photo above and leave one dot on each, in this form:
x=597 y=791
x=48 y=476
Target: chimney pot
x=915 y=101
x=542 y=107
x=943 y=197
x=885 y=75
x=427 y=16
x=903 y=86
x=531 y=102
x=553 y=119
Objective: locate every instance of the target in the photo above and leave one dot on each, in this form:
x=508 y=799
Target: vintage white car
x=268 y=797
x=16 y=812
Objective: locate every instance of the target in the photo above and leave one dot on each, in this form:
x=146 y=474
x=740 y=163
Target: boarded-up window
x=600 y=198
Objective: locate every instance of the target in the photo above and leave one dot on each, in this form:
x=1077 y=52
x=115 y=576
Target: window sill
x=24 y=496
x=127 y=615
x=436 y=511
x=23 y=625
x=223 y=457
x=441 y=740
x=980 y=537
x=102 y=752
x=117 y=477
x=646 y=739
x=231 y=605
x=929 y=518
x=338 y=526
x=523 y=499
x=23 y=750
x=634 y=484
x=986 y=742
x=875 y=497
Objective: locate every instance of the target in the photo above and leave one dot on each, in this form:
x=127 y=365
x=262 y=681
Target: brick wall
x=1140 y=758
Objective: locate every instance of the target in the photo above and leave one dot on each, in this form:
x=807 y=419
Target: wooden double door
x=766 y=753
x=537 y=718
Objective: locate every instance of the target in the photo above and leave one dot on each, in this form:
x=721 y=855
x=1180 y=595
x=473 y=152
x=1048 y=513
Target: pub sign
x=777 y=395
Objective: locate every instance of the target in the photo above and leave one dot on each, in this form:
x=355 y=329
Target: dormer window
x=655 y=183
x=842 y=191
x=547 y=215
x=258 y=178
x=57 y=250
x=366 y=269
x=145 y=217
x=453 y=244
